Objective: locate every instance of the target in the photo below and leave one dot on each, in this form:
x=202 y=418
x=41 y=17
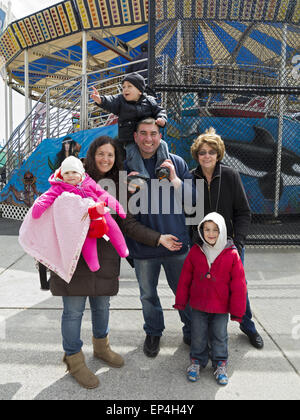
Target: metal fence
x=235 y=66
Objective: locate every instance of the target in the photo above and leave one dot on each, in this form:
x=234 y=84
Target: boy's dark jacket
x=130 y=113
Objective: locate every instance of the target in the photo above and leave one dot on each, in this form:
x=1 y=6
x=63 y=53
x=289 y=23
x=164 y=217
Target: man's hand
x=173 y=176
x=95 y=96
x=133 y=173
x=170 y=242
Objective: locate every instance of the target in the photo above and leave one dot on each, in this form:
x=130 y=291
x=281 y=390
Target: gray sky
x=20 y=8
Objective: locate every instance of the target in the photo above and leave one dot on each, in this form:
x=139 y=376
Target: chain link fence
x=235 y=66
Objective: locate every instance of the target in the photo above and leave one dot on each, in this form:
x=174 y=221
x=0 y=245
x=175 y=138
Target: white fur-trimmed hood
x=212 y=251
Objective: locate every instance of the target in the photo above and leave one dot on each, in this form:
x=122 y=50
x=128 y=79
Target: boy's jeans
x=147 y=273
x=74 y=307
x=209 y=328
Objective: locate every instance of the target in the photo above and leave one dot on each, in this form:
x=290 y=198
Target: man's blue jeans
x=147 y=273
x=74 y=307
x=209 y=329
x=247 y=324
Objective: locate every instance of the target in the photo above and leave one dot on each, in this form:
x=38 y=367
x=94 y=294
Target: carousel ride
x=53 y=57
x=203 y=57
x=235 y=65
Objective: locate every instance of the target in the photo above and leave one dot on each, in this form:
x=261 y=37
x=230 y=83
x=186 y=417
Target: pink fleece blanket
x=56 y=238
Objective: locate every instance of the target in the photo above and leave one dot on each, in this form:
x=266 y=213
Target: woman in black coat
x=103 y=161
x=224 y=193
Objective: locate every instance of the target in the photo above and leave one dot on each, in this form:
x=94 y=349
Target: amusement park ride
x=231 y=64
x=46 y=57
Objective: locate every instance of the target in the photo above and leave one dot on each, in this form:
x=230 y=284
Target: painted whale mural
x=259 y=159
x=251 y=148
x=31 y=180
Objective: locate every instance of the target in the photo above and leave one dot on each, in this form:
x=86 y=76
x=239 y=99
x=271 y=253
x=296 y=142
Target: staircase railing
x=54 y=114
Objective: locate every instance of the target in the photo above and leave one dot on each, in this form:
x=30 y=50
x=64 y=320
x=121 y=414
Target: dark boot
x=43 y=277
x=151 y=345
x=254 y=338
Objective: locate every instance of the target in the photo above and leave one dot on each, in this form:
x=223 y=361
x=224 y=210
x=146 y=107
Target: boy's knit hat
x=71 y=163
x=137 y=80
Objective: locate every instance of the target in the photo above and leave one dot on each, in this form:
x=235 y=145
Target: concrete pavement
x=31 y=351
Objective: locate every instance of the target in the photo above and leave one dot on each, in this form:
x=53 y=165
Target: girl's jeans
x=209 y=328
x=74 y=307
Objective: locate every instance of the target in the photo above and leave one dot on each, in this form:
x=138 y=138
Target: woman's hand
x=170 y=242
x=100 y=208
x=95 y=95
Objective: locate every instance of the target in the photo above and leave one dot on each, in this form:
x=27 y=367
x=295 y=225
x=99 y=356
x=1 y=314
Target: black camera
x=162 y=173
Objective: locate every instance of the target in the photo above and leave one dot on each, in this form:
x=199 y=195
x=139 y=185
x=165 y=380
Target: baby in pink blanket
x=72 y=178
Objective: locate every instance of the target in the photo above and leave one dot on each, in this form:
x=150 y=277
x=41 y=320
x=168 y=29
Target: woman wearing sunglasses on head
x=224 y=193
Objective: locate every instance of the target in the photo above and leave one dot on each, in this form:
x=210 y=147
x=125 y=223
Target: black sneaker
x=151 y=345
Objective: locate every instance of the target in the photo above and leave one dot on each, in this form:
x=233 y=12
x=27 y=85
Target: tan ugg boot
x=78 y=369
x=103 y=351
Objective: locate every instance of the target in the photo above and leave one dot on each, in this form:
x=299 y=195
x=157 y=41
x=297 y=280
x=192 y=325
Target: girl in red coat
x=213 y=283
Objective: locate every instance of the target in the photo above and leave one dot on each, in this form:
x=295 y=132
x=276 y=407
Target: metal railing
x=52 y=116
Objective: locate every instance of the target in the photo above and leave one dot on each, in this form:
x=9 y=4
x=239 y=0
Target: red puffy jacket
x=220 y=289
